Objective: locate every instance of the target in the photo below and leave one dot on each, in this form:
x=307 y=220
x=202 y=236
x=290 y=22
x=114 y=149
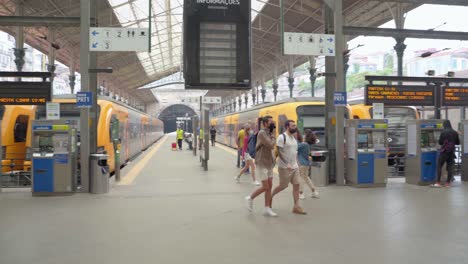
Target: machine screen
x=363 y=139
x=429 y=139
x=45 y=143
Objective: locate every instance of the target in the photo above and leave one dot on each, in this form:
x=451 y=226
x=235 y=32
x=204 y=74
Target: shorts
x=287 y=176
x=247 y=157
x=263 y=173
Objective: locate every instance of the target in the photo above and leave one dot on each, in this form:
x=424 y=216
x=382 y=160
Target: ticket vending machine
x=422 y=147
x=464 y=156
x=366 y=152
x=54 y=157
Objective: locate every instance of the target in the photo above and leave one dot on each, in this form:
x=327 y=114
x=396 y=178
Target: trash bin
x=319 y=167
x=99 y=173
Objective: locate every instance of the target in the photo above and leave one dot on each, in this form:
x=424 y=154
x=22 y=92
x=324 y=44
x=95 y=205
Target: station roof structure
x=133 y=70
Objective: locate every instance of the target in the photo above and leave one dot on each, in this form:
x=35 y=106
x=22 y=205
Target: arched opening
x=170 y=114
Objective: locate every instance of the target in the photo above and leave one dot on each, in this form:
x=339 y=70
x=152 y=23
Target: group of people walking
x=262 y=150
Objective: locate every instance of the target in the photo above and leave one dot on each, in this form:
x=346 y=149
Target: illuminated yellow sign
x=455 y=96
x=22 y=101
x=400 y=95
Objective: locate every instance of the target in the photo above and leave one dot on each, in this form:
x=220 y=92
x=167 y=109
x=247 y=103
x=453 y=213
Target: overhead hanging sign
x=309 y=44
x=404 y=95
x=118 y=39
x=455 y=96
x=217 y=44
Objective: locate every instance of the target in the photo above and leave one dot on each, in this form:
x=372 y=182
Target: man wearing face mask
x=264 y=162
x=288 y=168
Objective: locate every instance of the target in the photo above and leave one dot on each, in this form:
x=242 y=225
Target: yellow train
x=309 y=113
x=136 y=130
x=15 y=136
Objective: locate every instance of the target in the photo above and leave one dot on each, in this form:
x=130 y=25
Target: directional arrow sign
x=118 y=39
x=309 y=44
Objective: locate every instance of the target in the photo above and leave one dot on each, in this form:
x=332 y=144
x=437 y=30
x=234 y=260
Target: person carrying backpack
x=448 y=140
x=265 y=143
x=246 y=150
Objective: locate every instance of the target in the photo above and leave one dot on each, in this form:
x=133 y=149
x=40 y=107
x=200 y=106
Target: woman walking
x=249 y=161
x=303 y=157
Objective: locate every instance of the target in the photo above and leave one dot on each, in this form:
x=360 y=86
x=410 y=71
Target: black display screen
x=455 y=96
x=404 y=95
x=24 y=93
x=217 y=44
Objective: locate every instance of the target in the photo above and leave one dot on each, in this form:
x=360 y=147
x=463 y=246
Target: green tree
x=388 y=61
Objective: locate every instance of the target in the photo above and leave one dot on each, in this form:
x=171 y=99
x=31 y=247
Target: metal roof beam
x=35 y=21
x=432 y=2
x=405 y=33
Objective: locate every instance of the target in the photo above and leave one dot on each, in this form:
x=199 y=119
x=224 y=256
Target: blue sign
x=61 y=158
x=339 y=99
x=42 y=127
x=84 y=99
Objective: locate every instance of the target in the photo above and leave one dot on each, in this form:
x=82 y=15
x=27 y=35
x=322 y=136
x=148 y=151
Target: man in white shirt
x=288 y=167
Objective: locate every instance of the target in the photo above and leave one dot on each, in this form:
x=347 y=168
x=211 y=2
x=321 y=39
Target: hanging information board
x=217 y=44
x=400 y=95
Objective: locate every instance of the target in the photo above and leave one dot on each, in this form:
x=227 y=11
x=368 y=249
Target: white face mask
x=251 y=132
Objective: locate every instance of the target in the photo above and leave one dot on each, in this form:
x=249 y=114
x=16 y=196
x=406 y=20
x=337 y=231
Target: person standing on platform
x=303 y=158
x=180 y=137
x=448 y=140
x=213 y=135
x=288 y=168
x=200 y=137
x=240 y=143
x=249 y=161
x=264 y=161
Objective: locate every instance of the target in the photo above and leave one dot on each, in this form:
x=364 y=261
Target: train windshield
x=312 y=117
x=2 y=111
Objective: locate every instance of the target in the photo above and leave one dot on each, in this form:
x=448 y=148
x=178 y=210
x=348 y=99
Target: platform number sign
x=84 y=99
x=339 y=99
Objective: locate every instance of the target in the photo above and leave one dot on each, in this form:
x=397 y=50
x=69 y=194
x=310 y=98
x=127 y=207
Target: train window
x=21 y=128
x=2 y=111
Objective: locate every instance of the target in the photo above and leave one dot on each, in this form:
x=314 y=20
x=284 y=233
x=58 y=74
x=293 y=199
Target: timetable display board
x=455 y=96
x=404 y=95
x=217 y=44
x=24 y=93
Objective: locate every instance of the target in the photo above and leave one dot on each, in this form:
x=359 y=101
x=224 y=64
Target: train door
x=115 y=140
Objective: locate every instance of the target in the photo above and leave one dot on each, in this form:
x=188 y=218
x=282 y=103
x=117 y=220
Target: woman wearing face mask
x=303 y=151
x=249 y=161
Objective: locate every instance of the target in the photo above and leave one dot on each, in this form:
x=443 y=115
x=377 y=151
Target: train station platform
x=168 y=210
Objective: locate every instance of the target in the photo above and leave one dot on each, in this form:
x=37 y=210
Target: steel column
x=330 y=114
x=340 y=87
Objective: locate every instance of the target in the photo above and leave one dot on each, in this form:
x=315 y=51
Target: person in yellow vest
x=200 y=137
x=180 y=137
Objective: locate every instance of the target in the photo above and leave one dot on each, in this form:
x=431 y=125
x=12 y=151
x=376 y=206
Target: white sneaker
x=237 y=179
x=269 y=212
x=302 y=196
x=249 y=202
x=315 y=194
x=256 y=183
